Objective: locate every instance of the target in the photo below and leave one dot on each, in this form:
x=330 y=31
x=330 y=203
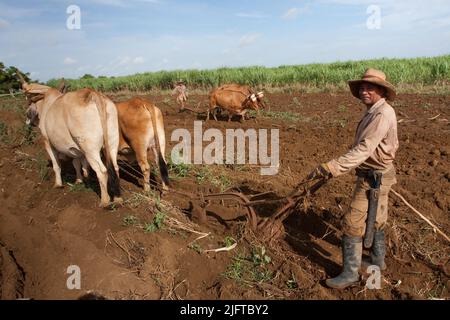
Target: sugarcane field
x=246 y=174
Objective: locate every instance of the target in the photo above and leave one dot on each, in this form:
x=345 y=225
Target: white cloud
x=249 y=39
x=251 y=15
x=127 y=61
x=124 y=61
x=138 y=60
x=292 y=13
x=69 y=60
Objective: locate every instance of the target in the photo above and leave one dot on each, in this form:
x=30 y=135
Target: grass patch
x=229 y=241
x=157 y=222
x=248 y=268
x=89 y=184
x=292 y=283
x=178 y=169
x=129 y=221
x=196 y=247
x=137 y=199
x=203 y=174
x=342 y=109
x=78 y=187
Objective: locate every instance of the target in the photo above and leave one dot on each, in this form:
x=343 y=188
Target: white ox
x=78 y=125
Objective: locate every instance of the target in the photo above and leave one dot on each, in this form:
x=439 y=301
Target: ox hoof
x=104 y=205
x=165 y=188
x=78 y=181
x=58 y=186
x=125 y=151
x=118 y=200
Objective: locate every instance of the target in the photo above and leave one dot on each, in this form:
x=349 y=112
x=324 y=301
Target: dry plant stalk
x=421 y=215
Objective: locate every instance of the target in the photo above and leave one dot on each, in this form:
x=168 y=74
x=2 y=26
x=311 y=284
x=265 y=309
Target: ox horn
x=22 y=80
x=20 y=76
x=260 y=94
x=253 y=97
x=62 y=87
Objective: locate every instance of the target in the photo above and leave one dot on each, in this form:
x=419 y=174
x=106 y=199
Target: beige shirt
x=375 y=142
x=180 y=90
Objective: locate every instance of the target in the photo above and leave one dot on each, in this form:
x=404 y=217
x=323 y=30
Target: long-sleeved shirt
x=180 y=90
x=375 y=142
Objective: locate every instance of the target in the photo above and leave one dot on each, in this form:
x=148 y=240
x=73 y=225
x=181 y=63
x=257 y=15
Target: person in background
x=181 y=92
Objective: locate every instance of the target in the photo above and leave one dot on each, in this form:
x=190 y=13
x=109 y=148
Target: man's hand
x=321 y=172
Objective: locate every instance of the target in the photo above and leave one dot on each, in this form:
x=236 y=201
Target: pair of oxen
x=79 y=125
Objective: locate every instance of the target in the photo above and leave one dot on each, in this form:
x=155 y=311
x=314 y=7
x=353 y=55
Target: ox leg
x=124 y=148
x=230 y=115
x=85 y=167
x=117 y=200
x=155 y=152
x=142 y=160
x=102 y=175
x=77 y=165
x=56 y=165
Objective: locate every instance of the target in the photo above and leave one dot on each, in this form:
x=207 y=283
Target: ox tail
x=113 y=184
x=164 y=171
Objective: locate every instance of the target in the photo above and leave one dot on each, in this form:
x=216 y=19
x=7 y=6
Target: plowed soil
x=43 y=230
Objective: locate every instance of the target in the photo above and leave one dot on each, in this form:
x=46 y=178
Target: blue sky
x=120 y=37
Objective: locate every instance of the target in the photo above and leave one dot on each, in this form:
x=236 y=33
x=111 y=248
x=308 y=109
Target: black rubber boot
x=377 y=253
x=351 y=252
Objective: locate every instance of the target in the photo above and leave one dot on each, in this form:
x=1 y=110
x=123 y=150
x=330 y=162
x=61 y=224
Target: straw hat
x=376 y=77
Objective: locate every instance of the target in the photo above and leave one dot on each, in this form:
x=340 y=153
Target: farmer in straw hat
x=372 y=155
x=180 y=91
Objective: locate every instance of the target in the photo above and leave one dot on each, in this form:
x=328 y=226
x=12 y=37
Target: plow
x=271 y=228
x=266 y=229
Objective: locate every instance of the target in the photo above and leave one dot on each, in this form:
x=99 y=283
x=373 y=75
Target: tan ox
x=138 y=119
x=78 y=125
x=234 y=98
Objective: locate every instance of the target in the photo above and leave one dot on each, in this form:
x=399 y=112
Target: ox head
x=251 y=102
x=35 y=95
x=254 y=101
x=259 y=99
x=32 y=114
